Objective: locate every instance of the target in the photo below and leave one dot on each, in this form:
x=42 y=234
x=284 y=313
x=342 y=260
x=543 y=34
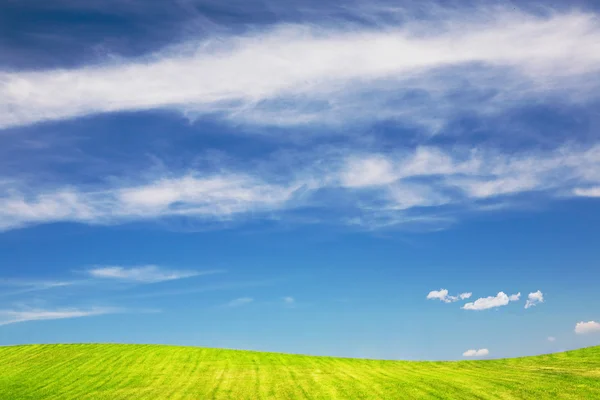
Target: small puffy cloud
x=443 y=295
x=476 y=353
x=551 y=339
x=289 y=300
x=534 y=298
x=501 y=299
x=143 y=274
x=582 y=328
x=240 y=302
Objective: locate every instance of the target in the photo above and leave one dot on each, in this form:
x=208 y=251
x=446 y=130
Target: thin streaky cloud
x=587 y=192
x=244 y=77
x=213 y=198
x=36 y=314
x=201 y=289
x=461 y=177
x=35 y=284
x=239 y=302
x=20 y=286
x=145 y=274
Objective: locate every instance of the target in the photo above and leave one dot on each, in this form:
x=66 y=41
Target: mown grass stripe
x=115 y=372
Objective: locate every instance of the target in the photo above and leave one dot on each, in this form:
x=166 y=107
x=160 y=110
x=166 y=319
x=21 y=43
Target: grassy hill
x=107 y=371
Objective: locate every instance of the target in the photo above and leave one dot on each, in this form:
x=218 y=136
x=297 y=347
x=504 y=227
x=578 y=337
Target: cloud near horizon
x=476 y=353
x=582 y=328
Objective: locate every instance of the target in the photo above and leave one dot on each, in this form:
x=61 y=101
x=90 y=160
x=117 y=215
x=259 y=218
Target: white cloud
x=583 y=328
x=14 y=316
x=514 y=297
x=289 y=300
x=368 y=171
x=219 y=195
x=484 y=303
x=587 y=192
x=483 y=188
x=213 y=197
x=35 y=284
x=442 y=295
x=478 y=173
x=240 y=302
x=24 y=286
x=143 y=274
x=247 y=76
x=476 y=353
x=534 y=299
x=381 y=190
x=466 y=176
x=551 y=339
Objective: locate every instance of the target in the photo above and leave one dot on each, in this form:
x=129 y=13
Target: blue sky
x=364 y=179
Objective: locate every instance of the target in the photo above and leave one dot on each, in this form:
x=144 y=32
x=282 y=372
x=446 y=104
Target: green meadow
x=112 y=371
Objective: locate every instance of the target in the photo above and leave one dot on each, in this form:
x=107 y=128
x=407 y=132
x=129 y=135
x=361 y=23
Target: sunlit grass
x=107 y=371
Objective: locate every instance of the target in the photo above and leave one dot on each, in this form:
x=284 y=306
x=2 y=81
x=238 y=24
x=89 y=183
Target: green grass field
x=106 y=371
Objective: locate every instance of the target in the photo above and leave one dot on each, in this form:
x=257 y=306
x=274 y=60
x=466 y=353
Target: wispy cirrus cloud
x=239 y=302
x=35 y=284
x=144 y=274
x=36 y=314
x=376 y=189
x=19 y=286
x=587 y=192
x=201 y=289
x=424 y=71
x=328 y=73
x=217 y=197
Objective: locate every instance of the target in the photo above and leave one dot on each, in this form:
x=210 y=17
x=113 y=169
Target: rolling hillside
x=107 y=371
